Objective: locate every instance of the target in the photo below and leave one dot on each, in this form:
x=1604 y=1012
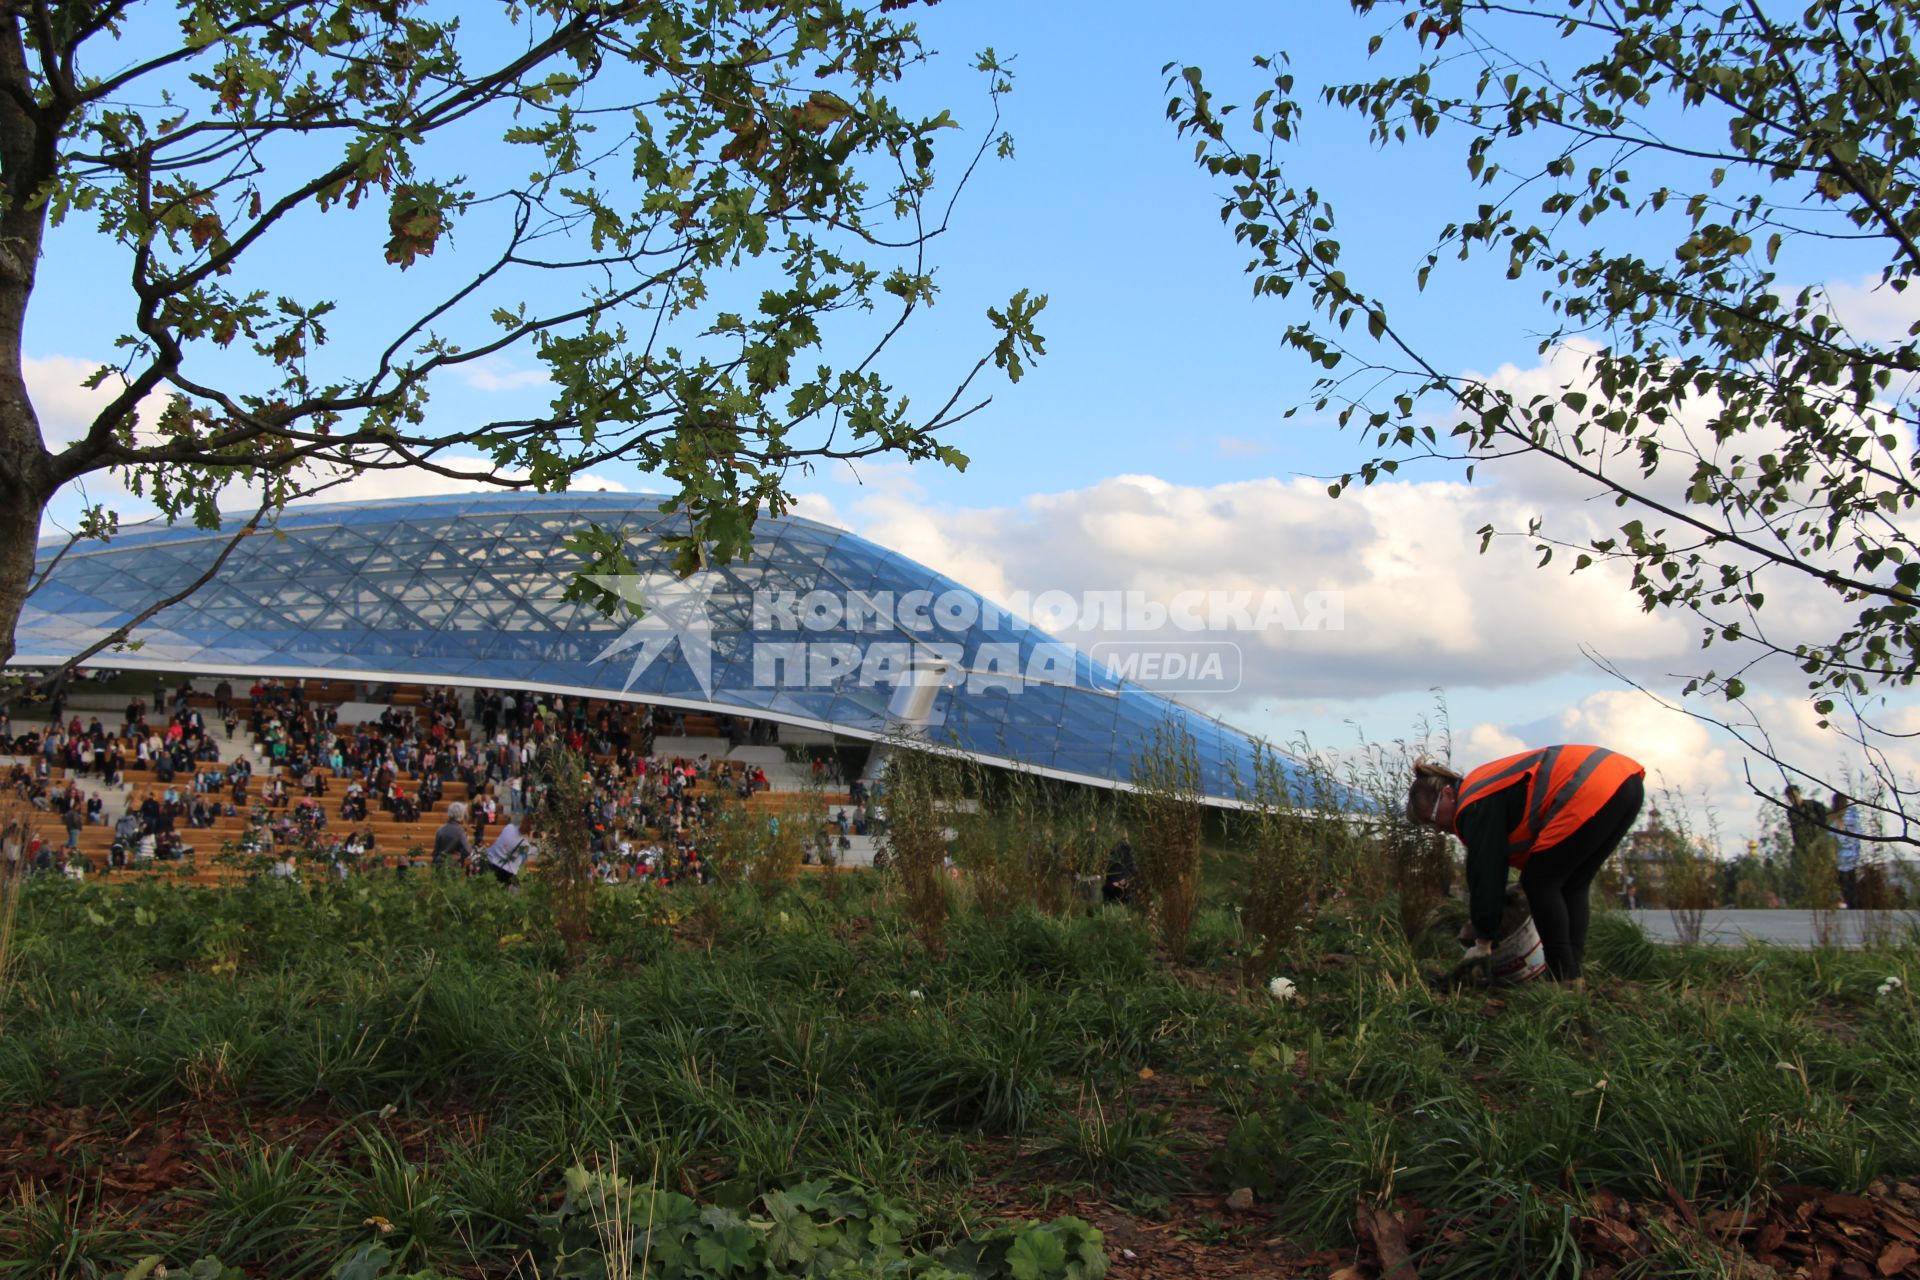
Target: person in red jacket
x=1555 y=815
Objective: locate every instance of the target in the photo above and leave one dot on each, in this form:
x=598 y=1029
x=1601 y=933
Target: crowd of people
x=171 y=741
x=649 y=817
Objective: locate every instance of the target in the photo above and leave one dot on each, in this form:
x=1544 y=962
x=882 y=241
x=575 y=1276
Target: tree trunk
x=19 y=536
x=28 y=161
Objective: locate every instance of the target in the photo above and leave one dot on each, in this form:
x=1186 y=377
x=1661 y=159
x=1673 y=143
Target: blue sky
x=1160 y=403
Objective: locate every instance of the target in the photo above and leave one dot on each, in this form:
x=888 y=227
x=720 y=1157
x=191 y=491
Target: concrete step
x=689 y=747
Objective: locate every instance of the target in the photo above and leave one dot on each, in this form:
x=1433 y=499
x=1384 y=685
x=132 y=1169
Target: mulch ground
x=148 y=1168
x=1800 y=1233
x=125 y=1163
x=1805 y=1234
x=147 y=1171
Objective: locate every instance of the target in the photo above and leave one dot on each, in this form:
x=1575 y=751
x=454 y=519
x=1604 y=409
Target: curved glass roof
x=814 y=629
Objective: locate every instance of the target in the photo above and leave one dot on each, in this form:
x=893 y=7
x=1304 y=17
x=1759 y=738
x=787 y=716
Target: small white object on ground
x=1283 y=989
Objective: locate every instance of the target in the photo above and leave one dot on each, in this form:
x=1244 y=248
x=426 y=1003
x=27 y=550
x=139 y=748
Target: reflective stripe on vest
x=1566 y=786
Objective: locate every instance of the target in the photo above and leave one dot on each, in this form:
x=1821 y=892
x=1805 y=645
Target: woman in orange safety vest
x=1554 y=814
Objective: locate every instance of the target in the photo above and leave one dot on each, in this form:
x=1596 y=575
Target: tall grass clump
x=1022 y=838
x=1049 y=838
x=1090 y=823
x=736 y=839
x=990 y=843
x=1287 y=829
x=1818 y=868
x=1168 y=812
x=783 y=846
x=1392 y=857
x=563 y=792
x=1690 y=879
x=811 y=813
x=919 y=789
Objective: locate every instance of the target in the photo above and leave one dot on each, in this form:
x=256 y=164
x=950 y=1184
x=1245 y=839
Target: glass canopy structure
x=819 y=627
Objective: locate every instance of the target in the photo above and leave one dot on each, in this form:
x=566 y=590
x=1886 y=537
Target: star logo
x=671 y=609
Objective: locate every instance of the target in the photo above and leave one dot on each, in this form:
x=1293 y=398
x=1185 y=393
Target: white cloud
x=370 y=486
x=496 y=374
x=1679 y=752
x=1871 y=311
x=1573 y=509
x=66 y=406
x=1486 y=742
x=814 y=506
x=1420 y=606
x=1236 y=447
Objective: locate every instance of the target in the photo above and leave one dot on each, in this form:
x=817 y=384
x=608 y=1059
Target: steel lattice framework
x=470 y=590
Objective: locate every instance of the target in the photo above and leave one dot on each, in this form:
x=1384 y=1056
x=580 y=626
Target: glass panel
x=473 y=585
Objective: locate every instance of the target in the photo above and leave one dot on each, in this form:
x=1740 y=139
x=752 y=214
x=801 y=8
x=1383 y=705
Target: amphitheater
x=820 y=644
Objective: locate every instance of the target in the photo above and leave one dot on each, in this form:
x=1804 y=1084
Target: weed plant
x=789 y=839
x=1419 y=862
x=1020 y=838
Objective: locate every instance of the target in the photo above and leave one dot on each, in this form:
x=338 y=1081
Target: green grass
x=445 y=1071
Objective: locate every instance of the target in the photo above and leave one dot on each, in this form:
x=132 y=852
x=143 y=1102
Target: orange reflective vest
x=1565 y=786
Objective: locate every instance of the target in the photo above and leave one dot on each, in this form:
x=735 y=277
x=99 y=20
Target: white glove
x=1481 y=950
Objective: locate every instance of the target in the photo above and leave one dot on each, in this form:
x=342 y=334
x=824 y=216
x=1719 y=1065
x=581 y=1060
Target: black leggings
x=1557 y=879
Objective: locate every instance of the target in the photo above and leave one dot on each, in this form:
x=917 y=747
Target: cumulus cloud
x=1800 y=609
x=1680 y=752
x=1417 y=605
x=1486 y=742
x=66 y=406
x=1422 y=609
x=814 y=506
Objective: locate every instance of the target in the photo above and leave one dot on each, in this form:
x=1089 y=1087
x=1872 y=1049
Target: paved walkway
x=1786 y=927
